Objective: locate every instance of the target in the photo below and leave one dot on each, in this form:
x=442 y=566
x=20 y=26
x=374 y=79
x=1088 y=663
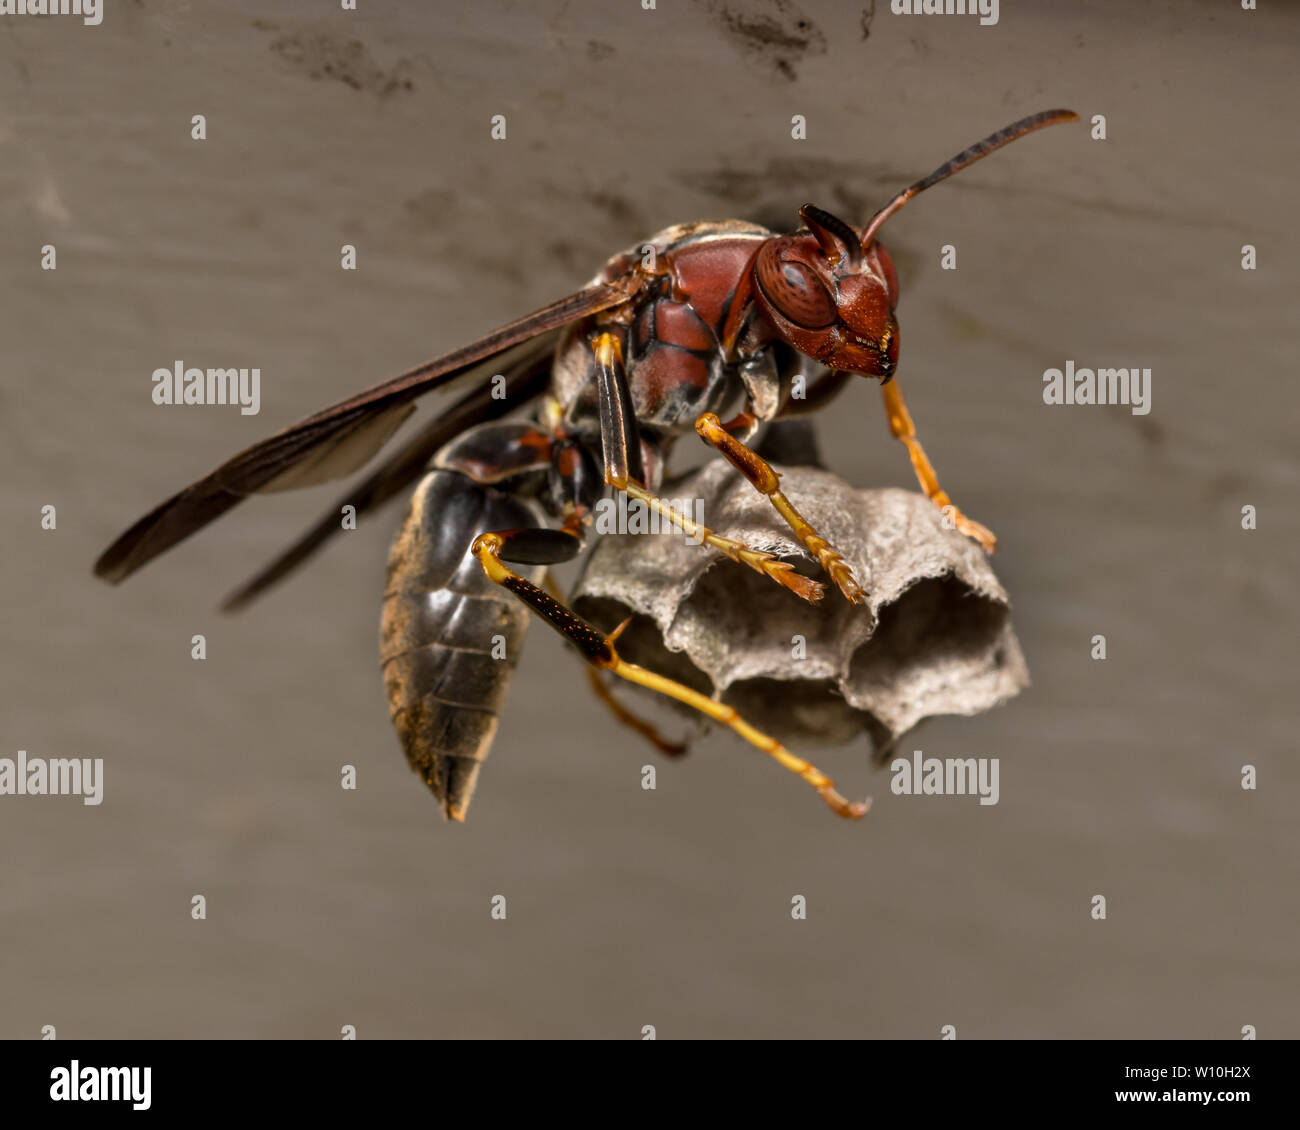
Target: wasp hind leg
x=632 y=721
x=622 y=714
x=597 y=648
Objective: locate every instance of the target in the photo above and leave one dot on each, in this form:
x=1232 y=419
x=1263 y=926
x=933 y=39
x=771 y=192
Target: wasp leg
x=622 y=454
x=598 y=650
x=902 y=428
x=620 y=439
x=647 y=730
x=767 y=481
x=573 y=483
x=782 y=572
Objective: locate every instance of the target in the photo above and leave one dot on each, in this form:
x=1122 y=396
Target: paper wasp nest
x=933 y=637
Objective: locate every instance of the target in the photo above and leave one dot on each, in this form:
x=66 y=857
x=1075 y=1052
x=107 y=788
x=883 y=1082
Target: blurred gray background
x=669 y=908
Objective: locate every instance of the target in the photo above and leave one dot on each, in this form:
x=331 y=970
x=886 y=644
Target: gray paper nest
x=933 y=637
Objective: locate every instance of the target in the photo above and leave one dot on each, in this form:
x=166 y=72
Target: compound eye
x=795 y=291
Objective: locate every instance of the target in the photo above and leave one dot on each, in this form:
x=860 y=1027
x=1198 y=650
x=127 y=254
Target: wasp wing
x=336 y=440
x=524 y=381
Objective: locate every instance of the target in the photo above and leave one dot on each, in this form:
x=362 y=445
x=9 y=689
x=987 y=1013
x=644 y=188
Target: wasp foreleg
x=902 y=428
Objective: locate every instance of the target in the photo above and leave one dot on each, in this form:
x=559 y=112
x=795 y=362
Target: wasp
x=699 y=319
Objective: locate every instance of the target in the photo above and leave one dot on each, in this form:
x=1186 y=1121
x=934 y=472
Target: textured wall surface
x=328 y=907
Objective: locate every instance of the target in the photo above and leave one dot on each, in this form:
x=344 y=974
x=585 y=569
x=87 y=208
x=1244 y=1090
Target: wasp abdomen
x=450 y=638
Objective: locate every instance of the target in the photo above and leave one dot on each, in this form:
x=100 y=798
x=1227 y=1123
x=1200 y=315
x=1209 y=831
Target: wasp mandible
x=720 y=314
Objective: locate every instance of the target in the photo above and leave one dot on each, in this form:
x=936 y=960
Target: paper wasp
x=703 y=317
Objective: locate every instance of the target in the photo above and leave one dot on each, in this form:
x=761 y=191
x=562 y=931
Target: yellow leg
x=766 y=481
x=782 y=572
x=598 y=650
x=622 y=470
x=647 y=730
x=900 y=424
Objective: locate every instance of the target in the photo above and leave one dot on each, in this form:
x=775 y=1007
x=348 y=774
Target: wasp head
x=829 y=297
x=830 y=291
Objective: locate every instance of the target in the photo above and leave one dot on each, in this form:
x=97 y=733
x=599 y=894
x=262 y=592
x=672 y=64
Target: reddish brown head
x=830 y=291
x=827 y=298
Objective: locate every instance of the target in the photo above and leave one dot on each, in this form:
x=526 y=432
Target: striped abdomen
x=450 y=638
